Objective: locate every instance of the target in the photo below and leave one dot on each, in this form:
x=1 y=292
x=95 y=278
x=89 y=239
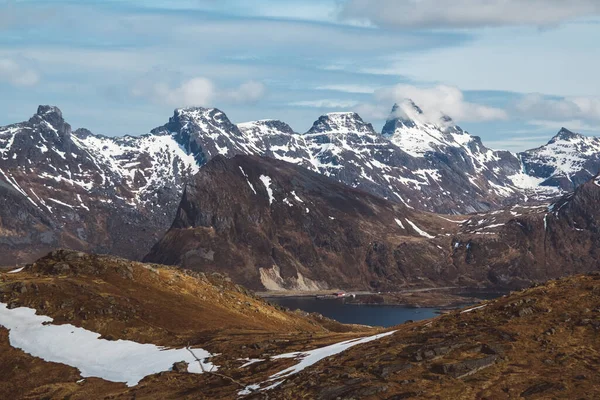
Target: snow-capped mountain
x=566 y=161
x=85 y=191
x=119 y=194
x=500 y=173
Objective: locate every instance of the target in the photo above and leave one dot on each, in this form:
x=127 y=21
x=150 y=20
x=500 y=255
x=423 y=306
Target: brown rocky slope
x=269 y=224
x=124 y=300
x=538 y=343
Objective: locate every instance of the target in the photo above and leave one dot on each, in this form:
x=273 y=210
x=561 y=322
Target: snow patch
x=115 y=361
x=419 y=230
x=267 y=182
x=248 y=180
x=307 y=359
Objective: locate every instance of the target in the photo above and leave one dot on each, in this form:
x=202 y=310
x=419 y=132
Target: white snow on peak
x=123 y=157
x=566 y=155
x=115 y=361
x=341 y=123
x=7 y=138
x=195 y=113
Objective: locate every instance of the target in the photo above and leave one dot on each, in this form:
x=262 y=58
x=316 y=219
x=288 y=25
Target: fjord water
x=373 y=315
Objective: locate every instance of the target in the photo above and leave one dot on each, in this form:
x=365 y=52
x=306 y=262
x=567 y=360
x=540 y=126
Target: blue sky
x=510 y=71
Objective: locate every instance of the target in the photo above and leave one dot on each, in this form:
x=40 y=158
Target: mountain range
x=277 y=226
x=119 y=195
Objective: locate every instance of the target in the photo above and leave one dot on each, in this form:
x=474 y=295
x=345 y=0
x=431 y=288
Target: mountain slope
x=274 y=225
x=83 y=191
x=536 y=344
x=105 y=305
x=271 y=224
x=118 y=195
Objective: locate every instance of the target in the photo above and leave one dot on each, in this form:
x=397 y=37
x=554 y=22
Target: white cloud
x=467 y=13
x=199 y=91
x=17 y=74
x=325 y=103
x=349 y=88
x=194 y=92
x=540 y=107
x=372 y=111
x=247 y=93
x=438 y=101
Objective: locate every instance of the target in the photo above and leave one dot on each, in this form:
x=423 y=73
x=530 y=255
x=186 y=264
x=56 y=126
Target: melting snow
x=296 y=197
x=247 y=180
x=473 y=309
x=307 y=359
x=15 y=271
x=419 y=230
x=60 y=202
x=400 y=223
x=267 y=182
x=115 y=361
x=250 y=361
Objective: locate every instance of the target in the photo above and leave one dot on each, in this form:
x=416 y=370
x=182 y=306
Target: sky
x=511 y=71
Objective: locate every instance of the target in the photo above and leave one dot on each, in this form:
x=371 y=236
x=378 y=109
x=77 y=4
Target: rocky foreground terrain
x=538 y=343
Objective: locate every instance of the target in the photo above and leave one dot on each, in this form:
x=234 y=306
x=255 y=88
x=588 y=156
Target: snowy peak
x=407 y=127
x=50 y=119
x=50 y=113
x=266 y=127
x=566 y=135
x=208 y=119
x=569 y=159
x=342 y=122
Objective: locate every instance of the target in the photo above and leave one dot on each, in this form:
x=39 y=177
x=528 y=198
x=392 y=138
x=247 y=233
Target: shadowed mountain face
x=270 y=224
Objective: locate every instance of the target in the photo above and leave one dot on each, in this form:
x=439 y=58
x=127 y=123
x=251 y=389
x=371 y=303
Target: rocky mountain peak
x=49 y=112
x=207 y=119
x=565 y=135
x=341 y=122
x=52 y=118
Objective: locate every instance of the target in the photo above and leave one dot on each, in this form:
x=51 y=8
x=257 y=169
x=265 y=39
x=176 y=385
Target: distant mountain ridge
x=118 y=195
x=273 y=225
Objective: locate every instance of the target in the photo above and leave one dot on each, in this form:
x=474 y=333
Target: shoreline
x=444 y=298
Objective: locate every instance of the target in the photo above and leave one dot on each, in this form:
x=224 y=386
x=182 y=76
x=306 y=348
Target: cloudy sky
x=510 y=71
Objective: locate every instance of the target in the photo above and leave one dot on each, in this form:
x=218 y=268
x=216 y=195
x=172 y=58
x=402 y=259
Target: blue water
x=336 y=309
